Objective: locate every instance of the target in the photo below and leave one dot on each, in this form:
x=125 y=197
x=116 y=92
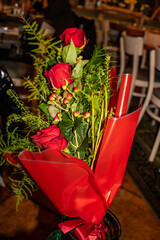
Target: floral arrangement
x=78 y=133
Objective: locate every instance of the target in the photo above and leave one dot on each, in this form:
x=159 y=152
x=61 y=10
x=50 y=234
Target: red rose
x=50 y=137
x=59 y=75
x=77 y=35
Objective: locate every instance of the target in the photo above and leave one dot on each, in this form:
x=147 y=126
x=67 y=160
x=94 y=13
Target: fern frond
x=23 y=188
x=2 y=160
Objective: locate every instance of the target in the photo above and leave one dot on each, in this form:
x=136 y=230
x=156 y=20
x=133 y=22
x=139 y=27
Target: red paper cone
x=116 y=144
x=123 y=95
x=13 y=159
x=68 y=182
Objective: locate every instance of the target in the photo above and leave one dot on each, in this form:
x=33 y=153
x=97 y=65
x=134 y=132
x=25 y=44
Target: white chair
x=154 y=104
x=153 y=109
x=143 y=80
x=151 y=39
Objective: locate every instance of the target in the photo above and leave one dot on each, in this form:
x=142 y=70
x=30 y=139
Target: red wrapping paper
x=12 y=159
x=83 y=230
x=114 y=153
x=116 y=144
x=69 y=182
x=123 y=95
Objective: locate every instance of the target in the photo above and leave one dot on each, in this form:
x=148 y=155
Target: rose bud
x=77 y=35
x=66 y=101
x=59 y=75
x=69 y=96
x=56 y=119
x=52 y=97
x=86 y=115
x=76 y=89
x=76 y=113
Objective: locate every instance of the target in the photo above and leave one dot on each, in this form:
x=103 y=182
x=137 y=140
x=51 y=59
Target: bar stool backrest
x=157 y=58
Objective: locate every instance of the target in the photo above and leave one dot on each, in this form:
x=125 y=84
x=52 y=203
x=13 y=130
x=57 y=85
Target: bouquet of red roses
x=77 y=144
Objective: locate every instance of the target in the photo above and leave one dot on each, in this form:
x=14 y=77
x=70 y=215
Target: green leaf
x=81 y=132
x=44 y=108
x=84 y=145
x=78 y=70
x=53 y=111
x=71 y=148
x=66 y=127
x=52 y=62
x=77 y=123
x=74 y=132
x=82 y=148
x=69 y=54
x=74 y=106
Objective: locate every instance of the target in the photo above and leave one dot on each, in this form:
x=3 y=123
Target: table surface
x=115 y=15
x=6 y=29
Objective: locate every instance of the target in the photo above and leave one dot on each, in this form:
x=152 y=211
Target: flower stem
x=92 y=124
x=76 y=143
x=57 y=105
x=106 y=105
x=99 y=136
x=71 y=93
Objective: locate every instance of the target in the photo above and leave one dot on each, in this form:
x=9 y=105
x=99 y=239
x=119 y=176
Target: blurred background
x=111 y=24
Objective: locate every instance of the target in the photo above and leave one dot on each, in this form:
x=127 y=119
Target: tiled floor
x=37 y=218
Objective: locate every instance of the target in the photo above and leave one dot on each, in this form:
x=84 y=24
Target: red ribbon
x=84 y=230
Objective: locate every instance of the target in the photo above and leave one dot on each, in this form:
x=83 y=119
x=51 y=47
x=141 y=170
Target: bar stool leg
x=155 y=147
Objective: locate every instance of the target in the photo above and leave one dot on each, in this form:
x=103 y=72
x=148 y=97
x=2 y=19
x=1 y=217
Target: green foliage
x=83 y=133
x=32 y=122
x=96 y=72
x=69 y=54
x=22 y=187
x=2 y=146
x=44 y=52
x=96 y=81
x=15 y=143
x=74 y=130
x=77 y=72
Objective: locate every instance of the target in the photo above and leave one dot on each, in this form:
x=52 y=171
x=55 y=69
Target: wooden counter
x=115 y=15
